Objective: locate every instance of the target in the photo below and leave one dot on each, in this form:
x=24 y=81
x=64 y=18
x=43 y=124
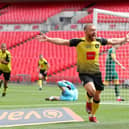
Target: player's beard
x=92 y=37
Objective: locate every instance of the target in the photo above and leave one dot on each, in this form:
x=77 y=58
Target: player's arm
x=62 y=84
x=57 y=41
x=48 y=66
x=5 y=61
x=118 y=41
x=38 y=69
x=116 y=61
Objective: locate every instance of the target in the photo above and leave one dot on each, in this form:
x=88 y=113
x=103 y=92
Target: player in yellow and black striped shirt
x=43 y=67
x=88 y=63
x=5 y=66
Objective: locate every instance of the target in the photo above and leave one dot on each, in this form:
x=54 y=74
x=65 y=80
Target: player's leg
x=95 y=106
x=6 y=79
x=53 y=98
x=106 y=82
x=5 y=88
x=117 y=90
x=117 y=86
x=45 y=78
x=87 y=82
x=88 y=103
x=96 y=98
x=66 y=98
x=108 y=77
x=40 y=81
x=91 y=107
x=67 y=95
x=59 y=98
x=1 y=81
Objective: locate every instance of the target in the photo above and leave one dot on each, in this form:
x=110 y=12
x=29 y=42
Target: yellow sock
x=95 y=106
x=40 y=83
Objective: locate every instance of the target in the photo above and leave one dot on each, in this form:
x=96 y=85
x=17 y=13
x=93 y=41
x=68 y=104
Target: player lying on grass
x=68 y=92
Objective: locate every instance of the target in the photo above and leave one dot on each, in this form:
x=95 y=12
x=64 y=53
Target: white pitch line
x=64 y=104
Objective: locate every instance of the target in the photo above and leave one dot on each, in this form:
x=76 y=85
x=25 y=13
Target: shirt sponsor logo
x=90 y=55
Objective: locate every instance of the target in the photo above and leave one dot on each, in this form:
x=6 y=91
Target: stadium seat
x=62 y=59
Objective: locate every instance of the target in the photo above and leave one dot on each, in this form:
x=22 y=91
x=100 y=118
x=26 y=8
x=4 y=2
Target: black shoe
x=3 y=94
x=40 y=89
x=47 y=99
x=120 y=99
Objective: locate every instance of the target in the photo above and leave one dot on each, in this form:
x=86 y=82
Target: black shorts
x=6 y=75
x=43 y=72
x=95 y=78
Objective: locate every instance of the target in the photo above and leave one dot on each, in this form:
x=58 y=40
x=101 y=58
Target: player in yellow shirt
x=43 y=67
x=5 y=66
x=88 y=63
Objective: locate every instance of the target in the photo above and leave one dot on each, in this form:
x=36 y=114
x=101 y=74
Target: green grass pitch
x=111 y=116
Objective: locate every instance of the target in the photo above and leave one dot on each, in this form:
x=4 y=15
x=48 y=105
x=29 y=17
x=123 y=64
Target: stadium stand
x=103 y=19
x=112 y=6
x=59 y=57
x=2 y=5
x=37 y=12
x=117 y=7
x=14 y=38
x=25 y=49
x=70 y=74
x=62 y=59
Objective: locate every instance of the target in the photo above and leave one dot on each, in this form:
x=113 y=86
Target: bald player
x=87 y=49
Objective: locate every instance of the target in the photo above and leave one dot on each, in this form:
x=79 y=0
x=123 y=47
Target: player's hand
x=1 y=60
x=127 y=38
x=42 y=37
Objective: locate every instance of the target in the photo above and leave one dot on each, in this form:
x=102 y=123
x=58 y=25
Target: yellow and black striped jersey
x=7 y=57
x=88 y=54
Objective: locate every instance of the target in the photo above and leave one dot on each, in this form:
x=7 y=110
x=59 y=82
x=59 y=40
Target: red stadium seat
x=37 y=12
x=62 y=59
